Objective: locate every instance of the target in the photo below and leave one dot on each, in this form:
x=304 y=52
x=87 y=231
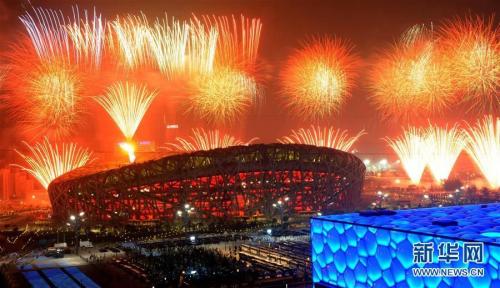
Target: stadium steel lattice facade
x=238 y=181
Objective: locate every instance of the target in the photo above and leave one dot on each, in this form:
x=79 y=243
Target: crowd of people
x=194 y=265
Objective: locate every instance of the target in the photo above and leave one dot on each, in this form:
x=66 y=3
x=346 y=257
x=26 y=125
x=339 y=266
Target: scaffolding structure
x=239 y=181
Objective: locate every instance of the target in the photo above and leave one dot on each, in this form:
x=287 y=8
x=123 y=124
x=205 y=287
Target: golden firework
x=130 y=41
x=484 y=148
x=223 y=95
x=168 y=41
x=126 y=104
x=238 y=41
x=88 y=38
x=317 y=79
x=201 y=48
x=206 y=140
x=412 y=150
x=46 y=30
x=54 y=100
x=411 y=79
x=48 y=161
x=444 y=147
x=472 y=48
x=323 y=137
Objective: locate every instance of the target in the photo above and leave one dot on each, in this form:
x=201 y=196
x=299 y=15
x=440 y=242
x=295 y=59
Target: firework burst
x=47 y=100
x=201 y=48
x=318 y=78
x=48 y=161
x=412 y=150
x=484 y=148
x=223 y=95
x=472 y=47
x=444 y=147
x=126 y=104
x=3 y=75
x=411 y=78
x=168 y=40
x=45 y=28
x=205 y=140
x=131 y=40
x=238 y=41
x=55 y=99
x=323 y=137
x=88 y=37
x=60 y=39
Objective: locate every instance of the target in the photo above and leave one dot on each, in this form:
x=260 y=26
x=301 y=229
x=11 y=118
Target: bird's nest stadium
x=239 y=181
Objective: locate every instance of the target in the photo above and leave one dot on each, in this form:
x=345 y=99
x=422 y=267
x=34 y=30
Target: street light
x=280 y=205
x=76 y=223
x=185 y=212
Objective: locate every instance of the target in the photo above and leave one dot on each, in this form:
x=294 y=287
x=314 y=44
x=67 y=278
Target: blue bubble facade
x=351 y=250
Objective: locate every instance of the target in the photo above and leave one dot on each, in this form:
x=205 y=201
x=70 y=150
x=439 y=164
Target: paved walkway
x=31 y=262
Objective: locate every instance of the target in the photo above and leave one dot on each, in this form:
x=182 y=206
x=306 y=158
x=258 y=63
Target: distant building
x=18 y=185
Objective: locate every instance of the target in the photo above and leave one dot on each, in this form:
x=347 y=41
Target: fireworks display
x=211 y=65
x=46 y=70
x=484 y=148
x=444 y=147
x=131 y=36
x=48 y=161
x=411 y=79
x=201 y=48
x=46 y=28
x=238 y=44
x=168 y=40
x=323 y=137
x=206 y=140
x=223 y=95
x=174 y=47
x=55 y=99
x=57 y=38
x=412 y=150
x=317 y=79
x=126 y=104
x=87 y=36
x=472 y=48
x=47 y=99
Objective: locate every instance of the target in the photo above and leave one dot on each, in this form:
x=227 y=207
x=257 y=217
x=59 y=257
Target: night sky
x=371 y=25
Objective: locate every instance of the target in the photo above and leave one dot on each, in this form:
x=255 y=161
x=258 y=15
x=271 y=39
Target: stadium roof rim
x=77 y=175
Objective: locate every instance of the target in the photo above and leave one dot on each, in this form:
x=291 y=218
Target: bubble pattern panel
x=351 y=250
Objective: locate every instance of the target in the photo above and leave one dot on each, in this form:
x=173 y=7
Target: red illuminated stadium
x=237 y=181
